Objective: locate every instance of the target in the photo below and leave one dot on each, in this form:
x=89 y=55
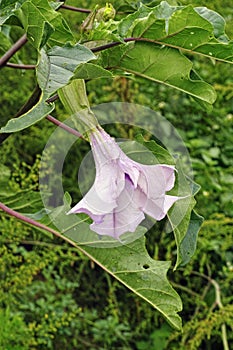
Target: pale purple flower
x=123 y=189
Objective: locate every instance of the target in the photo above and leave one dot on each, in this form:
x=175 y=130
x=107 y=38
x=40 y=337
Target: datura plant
x=154 y=42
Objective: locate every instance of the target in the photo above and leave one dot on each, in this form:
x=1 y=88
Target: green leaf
x=7 y=11
x=41 y=22
x=58 y=65
x=194 y=29
x=55 y=70
x=183 y=221
x=128 y=263
x=5 y=42
x=35 y=114
x=216 y=20
x=189 y=242
x=170 y=32
x=159 y=64
x=91 y=71
x=161 y=154
x=132 y=266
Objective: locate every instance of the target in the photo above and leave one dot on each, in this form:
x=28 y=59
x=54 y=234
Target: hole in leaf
x=146 y=266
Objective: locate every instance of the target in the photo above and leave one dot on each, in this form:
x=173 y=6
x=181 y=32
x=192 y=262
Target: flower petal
x=109 y=181
x=126 y=217
x=169 y=174
x=169 y=201
x=93 y=205
x=158 y=208
x=153 y=180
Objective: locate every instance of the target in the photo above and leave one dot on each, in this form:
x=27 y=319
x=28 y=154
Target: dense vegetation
x=53 y=297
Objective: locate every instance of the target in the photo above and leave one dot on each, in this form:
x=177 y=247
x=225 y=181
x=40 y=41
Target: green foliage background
x=51 y=297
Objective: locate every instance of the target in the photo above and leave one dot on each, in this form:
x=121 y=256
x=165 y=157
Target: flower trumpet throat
x=124 y=190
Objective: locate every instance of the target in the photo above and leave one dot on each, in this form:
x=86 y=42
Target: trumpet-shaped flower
x=124 y=190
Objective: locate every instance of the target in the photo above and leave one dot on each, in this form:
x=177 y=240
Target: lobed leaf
x=130 y=264
x=198 y=30
x=159 y=64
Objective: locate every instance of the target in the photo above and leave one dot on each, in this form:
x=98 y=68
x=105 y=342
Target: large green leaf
x=130 y=264
x=197 y=30
x=167 y=34
x=159 y=64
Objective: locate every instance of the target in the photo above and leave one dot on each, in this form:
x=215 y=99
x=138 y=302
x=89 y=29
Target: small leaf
x=57 y=66
x=161 y=154
x=189 y=242
x=216 y=20
x=180 y=218
x=91 y=71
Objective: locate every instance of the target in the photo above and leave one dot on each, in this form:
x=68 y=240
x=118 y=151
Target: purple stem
x=30 y=221
x=116 y=43
x=14 y=48
x=26 y=219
